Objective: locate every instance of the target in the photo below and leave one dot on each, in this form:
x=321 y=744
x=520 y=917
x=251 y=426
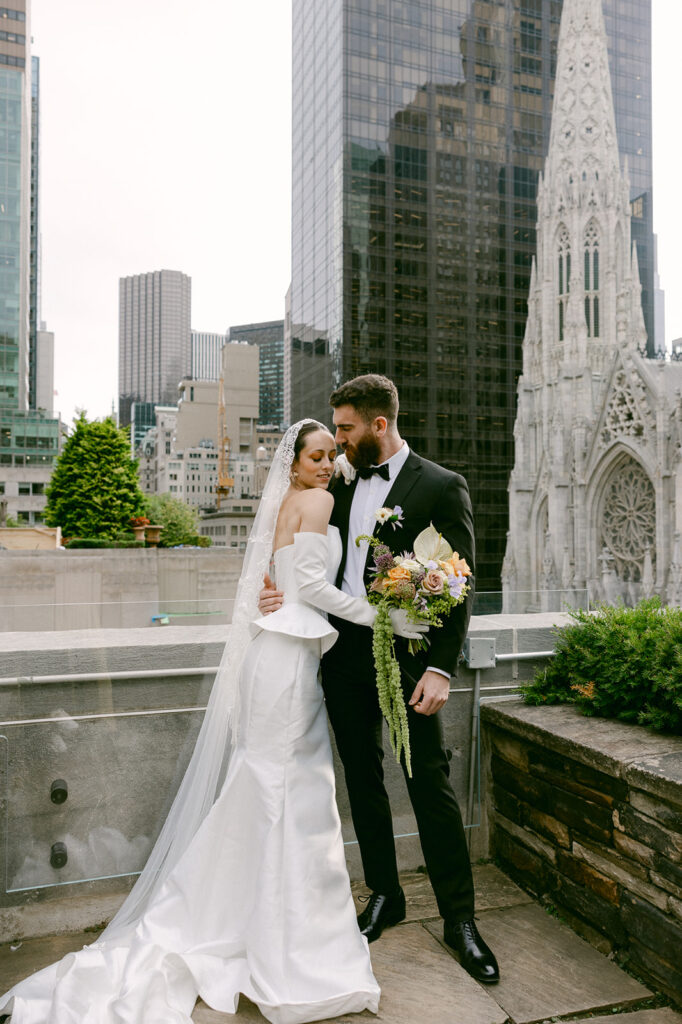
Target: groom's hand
x=431 y=693
x=270 y=599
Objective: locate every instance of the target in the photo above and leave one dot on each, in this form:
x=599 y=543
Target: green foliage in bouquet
x=389 y=688
x=427 y=584
x=619 y=662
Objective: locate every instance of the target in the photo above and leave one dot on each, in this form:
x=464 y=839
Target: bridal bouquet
x=427 y=583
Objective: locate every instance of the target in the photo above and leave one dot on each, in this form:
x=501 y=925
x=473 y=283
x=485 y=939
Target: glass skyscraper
x=29 y=440
x=419 y=129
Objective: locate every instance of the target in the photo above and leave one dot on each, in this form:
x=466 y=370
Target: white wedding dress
x=260 y=901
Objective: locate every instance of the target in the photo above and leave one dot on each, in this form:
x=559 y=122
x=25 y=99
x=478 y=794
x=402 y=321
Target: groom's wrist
x=440 y=671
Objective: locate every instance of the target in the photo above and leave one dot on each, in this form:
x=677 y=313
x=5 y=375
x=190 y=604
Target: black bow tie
x=365 y=472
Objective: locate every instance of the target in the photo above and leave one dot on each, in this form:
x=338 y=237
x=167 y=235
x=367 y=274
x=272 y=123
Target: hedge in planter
x=98 y=542
x=618 y=663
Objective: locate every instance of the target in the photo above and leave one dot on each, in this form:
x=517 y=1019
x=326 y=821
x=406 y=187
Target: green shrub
x=101 y=542
x=179 y=520
x=618 y=663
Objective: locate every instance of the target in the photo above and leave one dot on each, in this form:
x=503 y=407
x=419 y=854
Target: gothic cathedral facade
x=596 y=490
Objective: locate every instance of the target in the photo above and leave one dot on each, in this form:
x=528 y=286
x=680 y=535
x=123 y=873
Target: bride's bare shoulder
x=315 y=497
x=315 y=507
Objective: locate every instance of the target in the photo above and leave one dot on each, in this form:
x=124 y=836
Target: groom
x=387 y=473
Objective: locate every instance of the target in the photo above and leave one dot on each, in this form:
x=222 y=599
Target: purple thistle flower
x=383 y=558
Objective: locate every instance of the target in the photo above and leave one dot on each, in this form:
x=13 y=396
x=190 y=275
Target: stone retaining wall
x=587 y=814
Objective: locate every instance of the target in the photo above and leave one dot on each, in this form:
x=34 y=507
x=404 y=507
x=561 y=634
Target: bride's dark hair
x=309 y=427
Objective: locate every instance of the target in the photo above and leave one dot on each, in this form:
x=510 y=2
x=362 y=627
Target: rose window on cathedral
x=628 y=520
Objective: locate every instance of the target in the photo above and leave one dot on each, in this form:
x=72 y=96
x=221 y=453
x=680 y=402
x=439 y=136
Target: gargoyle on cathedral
x=596 y=490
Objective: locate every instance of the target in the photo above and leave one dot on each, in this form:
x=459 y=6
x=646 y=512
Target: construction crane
x=225 y=481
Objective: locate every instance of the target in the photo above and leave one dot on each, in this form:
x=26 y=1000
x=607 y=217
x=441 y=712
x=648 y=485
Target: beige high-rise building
x=197 y=422
x=44 y=359
x=241 y=395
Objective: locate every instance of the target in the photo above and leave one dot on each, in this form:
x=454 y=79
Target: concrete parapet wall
x=89 y=589
x=587 y=813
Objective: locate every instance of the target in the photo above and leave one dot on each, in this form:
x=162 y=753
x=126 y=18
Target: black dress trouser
x=349 y=684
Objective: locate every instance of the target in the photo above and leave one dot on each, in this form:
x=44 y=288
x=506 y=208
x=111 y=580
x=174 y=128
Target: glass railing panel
x=98 y=728
x=86 y=796
x=100 y=704
x=72 y=615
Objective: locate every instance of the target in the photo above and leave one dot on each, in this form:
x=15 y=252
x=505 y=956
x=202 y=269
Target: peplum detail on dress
x=304 y=572
x=298 y=620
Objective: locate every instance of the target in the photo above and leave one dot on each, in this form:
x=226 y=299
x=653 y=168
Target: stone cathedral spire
x=585 y=508
x=583 y=120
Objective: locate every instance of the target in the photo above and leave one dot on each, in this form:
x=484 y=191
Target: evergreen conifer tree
x=94 y=490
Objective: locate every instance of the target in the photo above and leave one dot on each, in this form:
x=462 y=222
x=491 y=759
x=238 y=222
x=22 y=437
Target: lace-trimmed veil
x=207 y=768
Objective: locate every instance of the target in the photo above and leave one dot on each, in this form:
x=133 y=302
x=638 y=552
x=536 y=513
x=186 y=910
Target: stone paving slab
x=662 y=1016
x=247 y=1013
x=546 y=970
x=419 y=983
x=34 y=954
x=493 y=890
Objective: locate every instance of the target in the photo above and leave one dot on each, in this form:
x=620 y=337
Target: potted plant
x=138 y=525
x=152 y=534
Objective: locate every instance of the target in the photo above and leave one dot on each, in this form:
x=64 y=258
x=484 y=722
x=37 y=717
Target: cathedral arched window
x=591 y=257
x=564 y=277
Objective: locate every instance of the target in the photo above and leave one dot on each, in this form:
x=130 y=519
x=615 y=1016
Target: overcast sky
x=166 y=131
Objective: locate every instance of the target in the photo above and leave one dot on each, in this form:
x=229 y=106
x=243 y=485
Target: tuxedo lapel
x=405 y=481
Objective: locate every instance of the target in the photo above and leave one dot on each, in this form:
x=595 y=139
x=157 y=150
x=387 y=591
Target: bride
x=246 y=889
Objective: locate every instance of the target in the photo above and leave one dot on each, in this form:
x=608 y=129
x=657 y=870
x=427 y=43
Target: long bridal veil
x=207 y=768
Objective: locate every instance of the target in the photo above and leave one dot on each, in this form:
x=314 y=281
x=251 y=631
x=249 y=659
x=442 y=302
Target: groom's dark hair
x=371 y=395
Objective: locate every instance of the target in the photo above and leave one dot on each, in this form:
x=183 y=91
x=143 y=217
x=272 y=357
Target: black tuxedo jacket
x=427 y=493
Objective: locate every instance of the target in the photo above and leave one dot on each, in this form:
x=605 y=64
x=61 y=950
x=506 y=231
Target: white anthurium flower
x=430 y=546
x=342 y=467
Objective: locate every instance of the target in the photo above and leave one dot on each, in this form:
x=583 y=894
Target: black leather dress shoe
x=475 y=955
x=381 y=912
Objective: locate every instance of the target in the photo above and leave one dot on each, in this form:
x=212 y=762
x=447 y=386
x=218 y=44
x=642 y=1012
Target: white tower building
x=593 y=492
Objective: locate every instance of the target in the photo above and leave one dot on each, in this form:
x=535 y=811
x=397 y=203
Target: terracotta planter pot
x=152 y=535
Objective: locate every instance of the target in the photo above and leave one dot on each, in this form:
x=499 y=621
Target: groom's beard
x=366 y=452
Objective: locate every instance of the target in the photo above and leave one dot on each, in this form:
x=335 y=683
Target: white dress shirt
x=370 y=495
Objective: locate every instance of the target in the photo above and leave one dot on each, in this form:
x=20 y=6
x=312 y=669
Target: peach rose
x=399 y=572
x=454 y=565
